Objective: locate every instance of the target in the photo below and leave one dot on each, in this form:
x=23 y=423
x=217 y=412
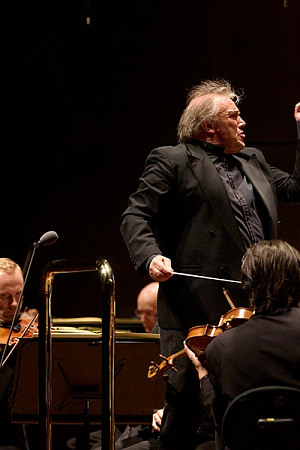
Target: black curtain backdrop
x=83 y=105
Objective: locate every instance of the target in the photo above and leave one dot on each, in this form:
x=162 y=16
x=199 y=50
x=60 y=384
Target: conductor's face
x=228 y=128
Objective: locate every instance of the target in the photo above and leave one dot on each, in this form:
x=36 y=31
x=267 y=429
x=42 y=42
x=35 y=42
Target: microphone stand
x=43 y=241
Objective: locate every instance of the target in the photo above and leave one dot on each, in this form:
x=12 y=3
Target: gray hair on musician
x=201 y=105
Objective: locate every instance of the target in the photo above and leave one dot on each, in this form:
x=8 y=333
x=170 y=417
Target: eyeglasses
x=148 y=313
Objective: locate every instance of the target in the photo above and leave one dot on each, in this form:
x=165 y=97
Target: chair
x=264 y=418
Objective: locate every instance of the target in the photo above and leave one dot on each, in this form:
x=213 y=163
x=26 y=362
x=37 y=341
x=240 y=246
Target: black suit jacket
x=264 y=351
x=181 y=210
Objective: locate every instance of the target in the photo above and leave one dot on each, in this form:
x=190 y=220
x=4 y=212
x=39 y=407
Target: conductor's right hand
x=160 y=268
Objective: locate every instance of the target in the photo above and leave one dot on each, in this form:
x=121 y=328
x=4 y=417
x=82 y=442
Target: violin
x=10 y=336
x=200 y=336
x=23 y=328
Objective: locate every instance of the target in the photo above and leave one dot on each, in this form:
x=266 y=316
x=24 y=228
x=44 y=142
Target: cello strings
x=205 y=278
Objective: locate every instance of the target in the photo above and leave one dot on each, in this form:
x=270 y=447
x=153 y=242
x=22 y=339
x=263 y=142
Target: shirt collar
x=216 y=153
x=216 y=149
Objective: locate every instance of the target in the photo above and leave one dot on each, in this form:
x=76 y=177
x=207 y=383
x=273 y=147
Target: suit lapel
x=214 y=190
x=253 y=172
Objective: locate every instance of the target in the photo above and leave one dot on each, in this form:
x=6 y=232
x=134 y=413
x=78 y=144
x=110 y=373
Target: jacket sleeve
x=288 y=186
x=207 y=398
x=138 y=222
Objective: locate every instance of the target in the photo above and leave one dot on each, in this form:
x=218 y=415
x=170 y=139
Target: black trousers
x=183 y=411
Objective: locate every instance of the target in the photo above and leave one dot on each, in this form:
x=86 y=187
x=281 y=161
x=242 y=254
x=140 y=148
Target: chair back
x=264 y=418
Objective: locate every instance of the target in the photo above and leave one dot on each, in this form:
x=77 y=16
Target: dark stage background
x=82 y=106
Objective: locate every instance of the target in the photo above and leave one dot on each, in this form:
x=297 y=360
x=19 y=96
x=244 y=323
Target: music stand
x=77 y=374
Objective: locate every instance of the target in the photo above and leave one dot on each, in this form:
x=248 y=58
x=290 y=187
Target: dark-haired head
x=271 y=276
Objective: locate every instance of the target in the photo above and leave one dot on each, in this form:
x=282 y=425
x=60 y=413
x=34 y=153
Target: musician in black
x=265 y=350
x=11 y=286
x=198 y=207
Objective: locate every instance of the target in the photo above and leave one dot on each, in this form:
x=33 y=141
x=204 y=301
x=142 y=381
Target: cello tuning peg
x=165 y=377
x=174 y=369
x=163 y=357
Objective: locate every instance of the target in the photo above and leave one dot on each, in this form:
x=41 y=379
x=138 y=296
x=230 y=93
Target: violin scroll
x=155 y=370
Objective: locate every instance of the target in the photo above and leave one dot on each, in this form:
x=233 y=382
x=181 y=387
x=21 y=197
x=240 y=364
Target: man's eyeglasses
x=148 y=313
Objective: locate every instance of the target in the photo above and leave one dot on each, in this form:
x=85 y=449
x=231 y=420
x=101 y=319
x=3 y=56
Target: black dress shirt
x=240 y=193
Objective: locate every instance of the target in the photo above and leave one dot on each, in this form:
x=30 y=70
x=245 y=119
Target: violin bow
x=228 y=298
x=3 y=361
x=11 y=330
x=48 y=238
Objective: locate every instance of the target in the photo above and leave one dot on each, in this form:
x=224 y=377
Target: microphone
x=48 y=238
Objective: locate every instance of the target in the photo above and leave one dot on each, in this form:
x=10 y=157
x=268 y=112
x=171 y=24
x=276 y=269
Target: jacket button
x=212 y=233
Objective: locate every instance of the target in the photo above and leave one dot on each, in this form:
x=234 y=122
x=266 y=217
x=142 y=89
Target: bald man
x=147 y=307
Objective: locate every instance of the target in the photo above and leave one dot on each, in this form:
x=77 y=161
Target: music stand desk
x=76 y=377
